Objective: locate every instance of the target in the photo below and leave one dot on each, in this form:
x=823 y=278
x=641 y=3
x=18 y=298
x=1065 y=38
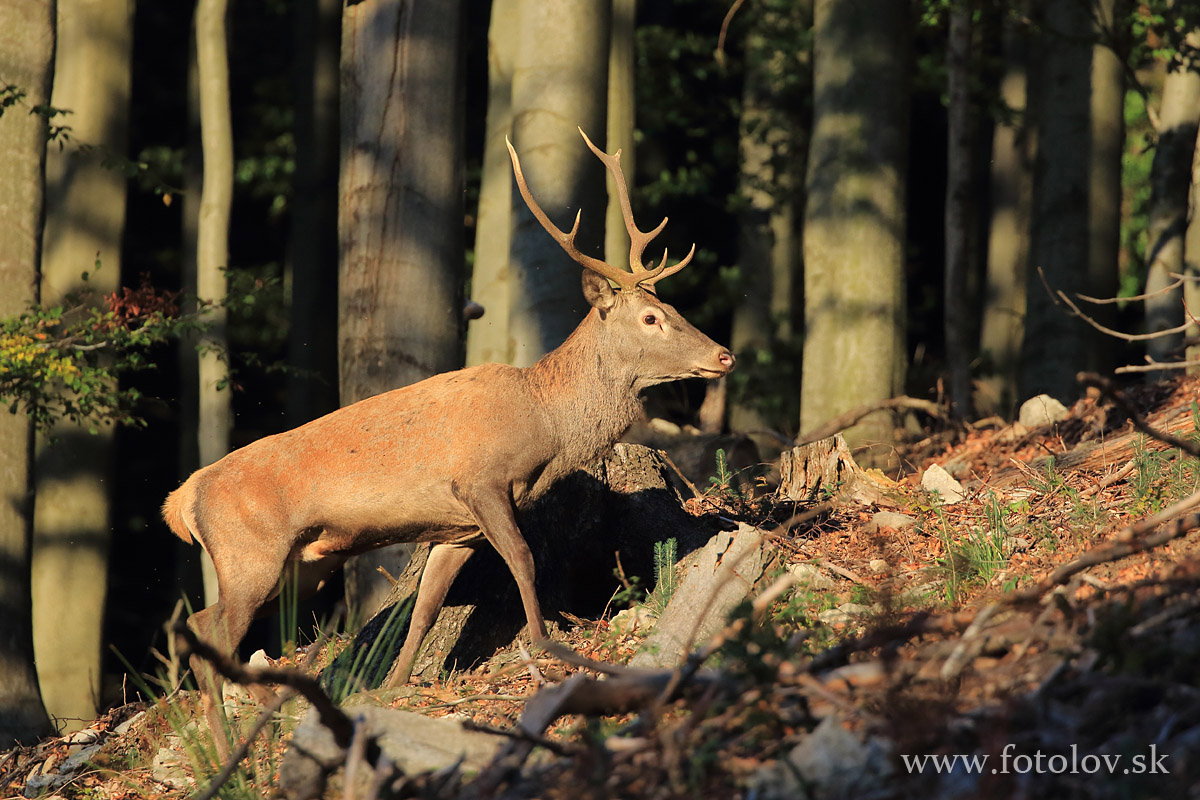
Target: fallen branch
x=850 y=418
x=1107 y=389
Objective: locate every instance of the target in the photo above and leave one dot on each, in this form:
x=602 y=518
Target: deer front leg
x=441 y=568
x=492 y=508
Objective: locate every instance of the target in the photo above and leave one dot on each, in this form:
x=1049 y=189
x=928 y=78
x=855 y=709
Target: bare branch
x=332 y=717
x=1106 y=300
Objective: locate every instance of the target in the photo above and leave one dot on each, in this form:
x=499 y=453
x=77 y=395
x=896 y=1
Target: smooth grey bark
x=854 y=227
x=1191 y=267
x=560 y=82
x=1003 y=323
x=1055 y=345
x=1104 y=196
x=214 y=410
x=400 y=215
x=27 y=30
x=85 y=218
x=621 y=119
x=313 y=245
x=488 y=339
x=1170 y=182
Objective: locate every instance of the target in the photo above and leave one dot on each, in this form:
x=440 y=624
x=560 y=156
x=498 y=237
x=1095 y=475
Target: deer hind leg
x=244 y=584
x=493 y=511
x=441 y=568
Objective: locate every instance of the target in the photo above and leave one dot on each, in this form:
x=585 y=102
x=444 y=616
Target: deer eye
x=650 y=319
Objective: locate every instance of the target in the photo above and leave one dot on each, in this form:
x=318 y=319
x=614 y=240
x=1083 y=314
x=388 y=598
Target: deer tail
x=177 y=512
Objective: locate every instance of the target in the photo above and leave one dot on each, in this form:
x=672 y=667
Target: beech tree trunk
x=960 y=213
x=400 y=218
x=1055 y=345
x=85 y=217
x=27 y=30
x=1170 y=182
x=560 y=82
x=214 y=420
x=488 y=339
x=854 y=348
x=1104 y=197
x=1191 y=289
x=621 y=118
x=1002 y=330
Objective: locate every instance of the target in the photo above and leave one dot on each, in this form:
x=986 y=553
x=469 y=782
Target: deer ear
x=598 y=291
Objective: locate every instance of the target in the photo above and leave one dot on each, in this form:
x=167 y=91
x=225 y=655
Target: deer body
x=448 y=460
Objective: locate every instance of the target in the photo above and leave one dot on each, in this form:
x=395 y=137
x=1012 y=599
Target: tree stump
x=823 y=468
x=623 y=505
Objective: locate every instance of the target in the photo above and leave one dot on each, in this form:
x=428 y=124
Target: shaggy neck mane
x=580 y=381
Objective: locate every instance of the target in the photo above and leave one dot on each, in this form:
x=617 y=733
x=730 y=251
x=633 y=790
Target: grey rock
x=725 y=570
x=833 y=763
x=413 y=742
x=949 y=490
x=168 y=766
x=845 y=613
x=1041 y=410
x=892 y=519
x=810 y=577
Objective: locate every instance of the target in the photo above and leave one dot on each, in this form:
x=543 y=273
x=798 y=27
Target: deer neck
x=590 y=396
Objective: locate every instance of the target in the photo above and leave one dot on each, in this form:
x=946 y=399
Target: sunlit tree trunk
x=1170 y=180
x=1008 y=237
x=560 y=81
x=1104 y=196
x=400 y=218
x=214 y=408
x=621 y=118
x=313 y=246
x=854 y=347
x=488 y=338
x=1055 y=345
x=27 y=42
x=85 y=215
x=1191 y=289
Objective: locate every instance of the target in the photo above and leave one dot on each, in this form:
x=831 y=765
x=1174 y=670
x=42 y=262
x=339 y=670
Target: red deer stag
x=448 y=460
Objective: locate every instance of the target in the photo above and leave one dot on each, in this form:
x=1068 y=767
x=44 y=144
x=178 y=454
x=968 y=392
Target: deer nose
x=726 y=359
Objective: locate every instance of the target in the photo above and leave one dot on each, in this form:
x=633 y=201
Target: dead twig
x=241 y=751
x=517 y=734
x=845 y=573
x=332 y=717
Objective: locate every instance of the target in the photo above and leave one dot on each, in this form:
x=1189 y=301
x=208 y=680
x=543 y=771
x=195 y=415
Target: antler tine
x=637 y=239
x=567 y=240
x=663 y=271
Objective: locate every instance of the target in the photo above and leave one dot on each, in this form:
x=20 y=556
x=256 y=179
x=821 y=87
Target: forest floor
x=1038 y=638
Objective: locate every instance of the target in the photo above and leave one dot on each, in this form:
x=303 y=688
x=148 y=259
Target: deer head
x=639 y=329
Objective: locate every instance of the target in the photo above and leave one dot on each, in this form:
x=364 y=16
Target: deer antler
x=638 y=274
